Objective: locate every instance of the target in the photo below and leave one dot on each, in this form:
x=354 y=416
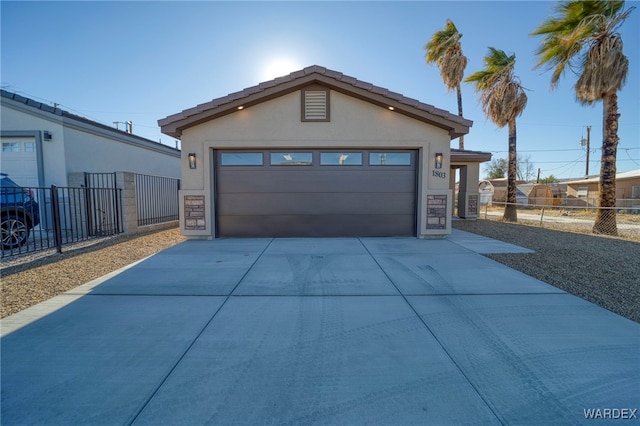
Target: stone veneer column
x=126 y=181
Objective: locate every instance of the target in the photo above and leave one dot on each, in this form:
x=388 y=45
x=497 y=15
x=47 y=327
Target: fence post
x=126 y=183
x=55 y=214
x=118 y=195
x=88 y=204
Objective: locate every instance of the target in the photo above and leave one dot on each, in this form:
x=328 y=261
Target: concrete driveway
x=327 y=331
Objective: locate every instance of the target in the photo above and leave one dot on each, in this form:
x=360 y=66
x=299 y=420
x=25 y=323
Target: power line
x=563 y=150
x=543 y=150
x=630 y=159
x=567 y=164
x=562 y=161
x=566 y=125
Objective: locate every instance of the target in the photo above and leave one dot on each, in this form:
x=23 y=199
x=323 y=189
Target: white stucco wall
x=81 y=147
x=19 y=118
x=276 y=124
x=85 y=150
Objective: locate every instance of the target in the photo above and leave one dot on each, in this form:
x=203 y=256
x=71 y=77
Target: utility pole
x=587 y=142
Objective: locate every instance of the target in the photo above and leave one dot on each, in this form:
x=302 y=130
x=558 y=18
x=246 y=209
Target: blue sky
x=142 y=61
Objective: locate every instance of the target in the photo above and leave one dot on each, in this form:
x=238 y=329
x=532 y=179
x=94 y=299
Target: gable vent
x=315 y=105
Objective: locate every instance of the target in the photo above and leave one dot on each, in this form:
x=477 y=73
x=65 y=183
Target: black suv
x=20 y=213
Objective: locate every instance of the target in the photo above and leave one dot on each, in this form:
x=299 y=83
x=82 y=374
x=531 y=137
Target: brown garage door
x=315 y=193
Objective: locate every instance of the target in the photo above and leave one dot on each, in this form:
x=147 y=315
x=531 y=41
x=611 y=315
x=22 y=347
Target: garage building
x=315 y=153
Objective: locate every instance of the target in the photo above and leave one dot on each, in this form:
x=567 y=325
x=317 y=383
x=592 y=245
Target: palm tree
x=584 y=38
x=445 y=51
x=503 y=99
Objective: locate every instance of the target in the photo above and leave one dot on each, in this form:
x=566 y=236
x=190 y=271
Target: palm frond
x=441 y=42
x=502 y=97
x=445 y=51
x=572 y=34
x=452 y=69
x=605 y=70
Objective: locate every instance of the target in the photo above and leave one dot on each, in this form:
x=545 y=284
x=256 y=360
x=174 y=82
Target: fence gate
x=103 y=204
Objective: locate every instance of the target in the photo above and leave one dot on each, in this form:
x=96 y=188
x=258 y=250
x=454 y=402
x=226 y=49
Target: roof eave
x=458 y=156
x=174 y=125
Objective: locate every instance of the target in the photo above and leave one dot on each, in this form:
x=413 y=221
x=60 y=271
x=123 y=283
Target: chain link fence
x=620 y=221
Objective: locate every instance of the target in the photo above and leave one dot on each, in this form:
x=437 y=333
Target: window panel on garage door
x=291 y=158
x=320 y=197
x=341 y=159
x=241 y=159
x=390 y=158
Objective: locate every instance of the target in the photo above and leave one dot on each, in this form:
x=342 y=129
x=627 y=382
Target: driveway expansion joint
x=487 y=403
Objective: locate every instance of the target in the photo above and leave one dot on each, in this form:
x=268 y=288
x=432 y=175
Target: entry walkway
x=329 y=331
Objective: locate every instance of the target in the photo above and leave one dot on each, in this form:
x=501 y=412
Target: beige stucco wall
x=624 y=189
x=468 y=194
x=277 y=124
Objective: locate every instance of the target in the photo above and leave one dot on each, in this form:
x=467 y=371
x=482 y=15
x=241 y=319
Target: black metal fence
x=36 y=219
x=103 y=202
x=156 y=199
x=48 y=218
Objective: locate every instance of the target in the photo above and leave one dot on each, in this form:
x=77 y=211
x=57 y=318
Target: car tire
x=15 y=231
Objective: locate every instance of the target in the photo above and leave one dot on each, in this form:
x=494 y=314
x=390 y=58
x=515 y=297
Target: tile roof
x=174 y=124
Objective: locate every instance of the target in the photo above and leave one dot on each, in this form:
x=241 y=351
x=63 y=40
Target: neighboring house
x=316 y=153
x=486 y=190
x=585 y=191
x=500 y=189
x=43 y=145
x=538 y=194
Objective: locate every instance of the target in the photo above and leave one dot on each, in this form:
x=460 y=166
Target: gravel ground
x=26 y=284
x=602 y=270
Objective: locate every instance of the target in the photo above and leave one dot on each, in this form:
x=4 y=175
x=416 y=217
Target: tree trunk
x=461 y=138
x=510 y=210
x=606 y=216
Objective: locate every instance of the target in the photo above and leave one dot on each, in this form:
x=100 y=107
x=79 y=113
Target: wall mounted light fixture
x=438 y=160
x=192 y=160
x=46 y=135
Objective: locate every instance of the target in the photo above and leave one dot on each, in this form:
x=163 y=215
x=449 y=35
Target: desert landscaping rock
x=29 y=283
x=602 y=270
